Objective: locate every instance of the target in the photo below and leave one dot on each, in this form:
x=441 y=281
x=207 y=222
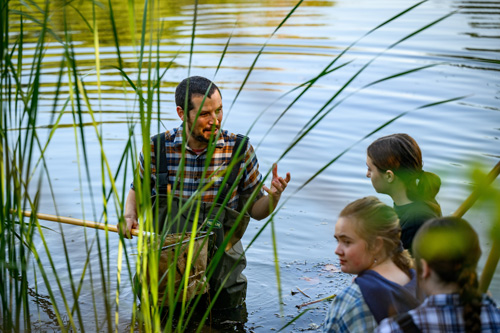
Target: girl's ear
x=425 y=271
x=389 y=176
x=378 y=245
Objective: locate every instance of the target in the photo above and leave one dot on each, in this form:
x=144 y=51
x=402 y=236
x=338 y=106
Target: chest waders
x=213 y=218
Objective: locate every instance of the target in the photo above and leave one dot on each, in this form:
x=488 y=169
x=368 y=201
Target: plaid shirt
x=349 y=313
x=195 y=173
x=443 y=313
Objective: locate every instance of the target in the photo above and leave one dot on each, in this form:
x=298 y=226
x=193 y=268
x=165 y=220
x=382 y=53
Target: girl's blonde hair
x=374 y=219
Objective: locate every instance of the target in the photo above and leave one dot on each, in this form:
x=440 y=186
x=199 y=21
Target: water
x=452 y=136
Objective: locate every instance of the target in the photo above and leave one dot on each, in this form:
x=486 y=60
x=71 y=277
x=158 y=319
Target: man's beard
x=200 y=138
x=197 y=136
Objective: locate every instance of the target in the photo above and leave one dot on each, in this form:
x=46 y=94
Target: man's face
x=208 y=121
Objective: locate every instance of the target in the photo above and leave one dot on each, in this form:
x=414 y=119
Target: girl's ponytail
x=470 y=299
x=425 y=188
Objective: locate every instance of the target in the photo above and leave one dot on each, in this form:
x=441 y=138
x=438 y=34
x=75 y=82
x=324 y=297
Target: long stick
x=494 y=256
x=83 y=223
x=314 y=302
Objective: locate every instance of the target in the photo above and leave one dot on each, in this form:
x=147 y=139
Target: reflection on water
x=451 y=135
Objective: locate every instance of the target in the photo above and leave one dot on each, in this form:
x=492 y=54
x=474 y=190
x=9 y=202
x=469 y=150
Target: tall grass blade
x=320 y=114
x=328 y=70
x=294 y=319
x=387 y=123
x=224 y=52
x=193 y=35
x=260 y=52
x=26 y=242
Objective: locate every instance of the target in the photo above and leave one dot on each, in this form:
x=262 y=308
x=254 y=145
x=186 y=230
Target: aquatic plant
x=27 y=269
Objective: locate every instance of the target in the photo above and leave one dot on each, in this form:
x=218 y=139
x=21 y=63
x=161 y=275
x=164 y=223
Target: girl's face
x=352 y=250
x=376 y=176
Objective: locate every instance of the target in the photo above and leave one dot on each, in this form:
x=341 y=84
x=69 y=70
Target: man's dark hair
x=198 y=85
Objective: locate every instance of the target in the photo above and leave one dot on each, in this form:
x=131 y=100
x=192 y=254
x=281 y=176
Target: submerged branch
x=316 y=301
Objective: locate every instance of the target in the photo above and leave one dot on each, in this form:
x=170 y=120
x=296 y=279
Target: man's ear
x=389 y=176
x=180 y=112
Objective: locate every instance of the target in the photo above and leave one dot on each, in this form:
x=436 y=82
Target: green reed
x=488 y=197
x=23 y=262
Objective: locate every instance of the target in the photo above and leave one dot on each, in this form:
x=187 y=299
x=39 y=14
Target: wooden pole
x=494 y=255
x=83 y=223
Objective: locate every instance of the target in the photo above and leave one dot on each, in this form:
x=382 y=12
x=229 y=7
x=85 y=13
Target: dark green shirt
x=412 y=216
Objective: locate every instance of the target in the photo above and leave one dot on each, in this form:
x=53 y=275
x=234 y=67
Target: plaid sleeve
x=253 y=178
x=140 y=167
x=349 y=313
x=388 y=325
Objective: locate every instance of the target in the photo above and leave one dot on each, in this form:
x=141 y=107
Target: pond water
x=453 y=136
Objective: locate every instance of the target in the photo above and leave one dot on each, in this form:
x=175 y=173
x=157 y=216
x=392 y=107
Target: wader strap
x=407 y=324
x=161 y=163
x=242 y=141
x=162 y=170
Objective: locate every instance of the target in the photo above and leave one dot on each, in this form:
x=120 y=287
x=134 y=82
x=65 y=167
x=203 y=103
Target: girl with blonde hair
x=369 y=246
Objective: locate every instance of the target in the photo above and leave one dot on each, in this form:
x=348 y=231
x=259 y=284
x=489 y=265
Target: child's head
x=449 y=247
x=399 y=155
x=397 y=152
x=368 y=231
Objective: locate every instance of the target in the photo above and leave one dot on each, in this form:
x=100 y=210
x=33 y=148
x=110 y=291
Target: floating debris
x=314 y=302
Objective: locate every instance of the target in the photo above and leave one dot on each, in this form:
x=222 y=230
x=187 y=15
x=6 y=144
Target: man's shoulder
x=227 y=136
x=230 y=138
x=170 y=135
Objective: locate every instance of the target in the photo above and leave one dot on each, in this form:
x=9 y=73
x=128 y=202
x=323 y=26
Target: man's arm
x=266 y=204
x=130 y=215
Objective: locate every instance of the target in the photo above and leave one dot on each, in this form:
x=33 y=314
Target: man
x=199 y=106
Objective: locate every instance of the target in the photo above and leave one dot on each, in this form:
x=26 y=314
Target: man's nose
x=214 y=119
